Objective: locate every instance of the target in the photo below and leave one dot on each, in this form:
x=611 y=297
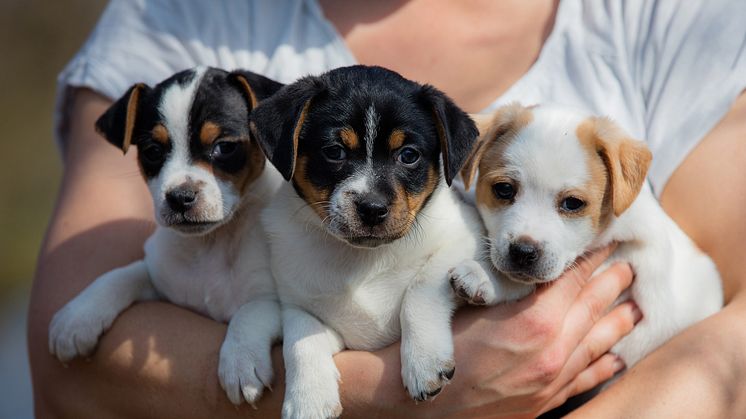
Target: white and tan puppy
x=208 y=253
x=554 y=183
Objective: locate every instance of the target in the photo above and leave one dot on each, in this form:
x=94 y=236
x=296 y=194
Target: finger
x=602 y=337
x=572 y=281
x=594 y=300
x=598 y=372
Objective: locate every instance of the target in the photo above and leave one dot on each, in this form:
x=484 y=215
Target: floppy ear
x=118 y=122
x=278 y=121
x=627 y=161
x=492 y=129
x=255 y=87
x=456 y=131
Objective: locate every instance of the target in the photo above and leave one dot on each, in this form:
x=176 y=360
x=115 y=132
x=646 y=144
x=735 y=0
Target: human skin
x=159 y=360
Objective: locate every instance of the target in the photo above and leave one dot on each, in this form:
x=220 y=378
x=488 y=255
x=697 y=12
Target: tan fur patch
x=241 y=180
x=396 y=139
x=249 y=91
x=160 y=134
x=503 y=126
x=208 y=133
x=406 y=206
x=349 y=138
x=316 y=198
x=296 y=135
x=489 y=155
x=131 y=118
x=625 y=161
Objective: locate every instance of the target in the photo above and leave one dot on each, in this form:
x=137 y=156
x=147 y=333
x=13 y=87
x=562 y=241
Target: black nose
x=524 y=253
x=372 y=212
x=181 y=199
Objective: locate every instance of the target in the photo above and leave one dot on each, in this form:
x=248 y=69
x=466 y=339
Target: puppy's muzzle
x=524 y=254
x=182 y=199
x=372 y=210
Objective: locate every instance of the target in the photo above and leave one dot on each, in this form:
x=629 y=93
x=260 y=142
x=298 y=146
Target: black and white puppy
x=208 y=181
x=364 y=234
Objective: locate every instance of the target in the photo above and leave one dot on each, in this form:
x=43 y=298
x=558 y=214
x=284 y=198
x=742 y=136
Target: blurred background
x=37 y=38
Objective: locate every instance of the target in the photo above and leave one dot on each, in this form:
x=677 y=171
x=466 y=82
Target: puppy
x=208 y=181
x=363 y=235
x=554 y=183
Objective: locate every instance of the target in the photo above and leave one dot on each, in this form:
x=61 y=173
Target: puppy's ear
x=493 y=129
x=254 y=87
x=118 y=122
x=456 y=131
x=627 y=161
x=277 y=122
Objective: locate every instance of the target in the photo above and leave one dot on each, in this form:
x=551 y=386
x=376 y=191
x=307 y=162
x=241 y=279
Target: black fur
x=219 y=98
x=339 y=99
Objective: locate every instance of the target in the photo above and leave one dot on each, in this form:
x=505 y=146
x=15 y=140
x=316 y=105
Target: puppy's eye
x=409 y=156
x=572 y=204
x=334 y=153
x=503 y=190
x=153 y=153
x=223 y=150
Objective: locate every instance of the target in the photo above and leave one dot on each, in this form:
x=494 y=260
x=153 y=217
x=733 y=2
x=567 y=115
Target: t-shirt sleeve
x=147 y=41
x=689 y=59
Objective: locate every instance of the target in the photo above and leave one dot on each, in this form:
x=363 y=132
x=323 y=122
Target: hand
x=525 y=358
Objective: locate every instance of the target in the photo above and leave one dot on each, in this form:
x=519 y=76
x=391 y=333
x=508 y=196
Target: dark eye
x=572 y=204
x=223 y=150
x=153 y=153
x=334 y=152
x=503 y=190
x=409 y=156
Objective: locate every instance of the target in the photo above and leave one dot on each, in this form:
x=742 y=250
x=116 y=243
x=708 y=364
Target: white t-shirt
x=666 y=70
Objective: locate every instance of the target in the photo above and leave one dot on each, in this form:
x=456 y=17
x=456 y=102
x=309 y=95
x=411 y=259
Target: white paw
x=76 y=328
x=244 y=372
x=425 y=373
x=316 y=398
x=470 y=282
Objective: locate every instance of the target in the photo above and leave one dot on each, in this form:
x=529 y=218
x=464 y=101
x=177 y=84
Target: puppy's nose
x=524 y=253
x=372 y=212
x=181 y=199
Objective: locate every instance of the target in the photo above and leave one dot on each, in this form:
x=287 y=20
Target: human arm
x=699 y=373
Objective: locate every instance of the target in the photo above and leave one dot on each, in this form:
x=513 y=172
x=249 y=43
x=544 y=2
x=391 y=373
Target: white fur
x=675 y=284
x=223 y=273
x=338 y=296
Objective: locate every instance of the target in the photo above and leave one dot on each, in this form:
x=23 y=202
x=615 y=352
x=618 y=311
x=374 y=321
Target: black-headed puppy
x=364 y=233
x=208 y=181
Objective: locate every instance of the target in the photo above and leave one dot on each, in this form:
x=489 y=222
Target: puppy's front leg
x=245 y=366
x=478 y=284
x=75 y=329
x=311 y=389
x=427 y=342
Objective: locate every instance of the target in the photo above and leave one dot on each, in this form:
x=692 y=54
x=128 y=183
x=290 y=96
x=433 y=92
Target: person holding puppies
x=674 y=76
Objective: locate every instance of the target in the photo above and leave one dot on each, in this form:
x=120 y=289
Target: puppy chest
x=205 y=283
x=366 y=319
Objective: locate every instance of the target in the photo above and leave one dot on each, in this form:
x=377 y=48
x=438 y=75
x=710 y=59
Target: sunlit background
x=37 y=38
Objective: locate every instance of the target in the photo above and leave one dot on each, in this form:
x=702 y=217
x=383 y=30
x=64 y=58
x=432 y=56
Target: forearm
x=699 y=373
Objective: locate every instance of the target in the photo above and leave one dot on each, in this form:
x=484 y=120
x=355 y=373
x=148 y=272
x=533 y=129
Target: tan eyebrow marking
x=160 y=134
x=349 y=138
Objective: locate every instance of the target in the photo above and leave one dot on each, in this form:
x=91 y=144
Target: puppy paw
x=76 y=328
x=470 y=282
x=317 y=404
x=244 y=372
x=425 y=376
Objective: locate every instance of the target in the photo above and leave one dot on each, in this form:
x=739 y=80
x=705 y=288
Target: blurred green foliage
x=37 y=38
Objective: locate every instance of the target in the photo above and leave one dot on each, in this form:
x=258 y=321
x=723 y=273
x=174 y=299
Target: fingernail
x=618 y=365
x=636 y=313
